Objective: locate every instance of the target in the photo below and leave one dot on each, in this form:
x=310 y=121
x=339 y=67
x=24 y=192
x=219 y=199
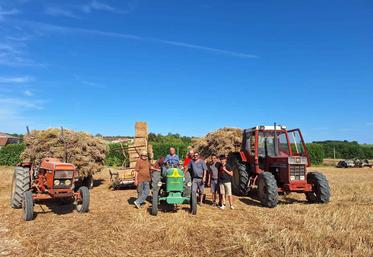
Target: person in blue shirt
x=172 y=158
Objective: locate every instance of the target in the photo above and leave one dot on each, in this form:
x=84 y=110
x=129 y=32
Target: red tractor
x=275 y=160
x=52 y=179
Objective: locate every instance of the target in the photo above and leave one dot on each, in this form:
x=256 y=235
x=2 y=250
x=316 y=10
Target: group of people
x=217 y=174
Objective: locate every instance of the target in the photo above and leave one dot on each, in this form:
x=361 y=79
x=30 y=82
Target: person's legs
x=213 y=191
x=228 y=190
x=222 y=192
x=201 y=188
x=143 y=193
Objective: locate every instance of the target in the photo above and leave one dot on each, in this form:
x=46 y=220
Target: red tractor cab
x=52 y=179
x=275 y=160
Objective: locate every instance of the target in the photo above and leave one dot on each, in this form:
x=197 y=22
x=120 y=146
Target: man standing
x=172 y=158
x=213 y=178
x=198 y=171
x=225 y=182
x=187 y=160
x=142 y=178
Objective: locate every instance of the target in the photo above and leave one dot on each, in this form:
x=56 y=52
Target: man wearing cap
x=142 y=178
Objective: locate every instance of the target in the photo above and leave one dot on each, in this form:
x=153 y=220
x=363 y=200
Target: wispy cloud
x=4 y=12
x=369 y=123
x=59 y=11
x=21 y=103
x=15 y=80
x=101 y=6
x=12 y=54
x=88 y=82
x=69 y=30
x=28 y=93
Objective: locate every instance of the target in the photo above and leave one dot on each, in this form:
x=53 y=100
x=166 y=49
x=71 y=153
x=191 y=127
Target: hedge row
x=10 y=154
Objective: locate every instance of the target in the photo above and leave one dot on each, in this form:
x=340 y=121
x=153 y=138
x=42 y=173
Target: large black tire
x=193 y=203
x=20 y=184
x=267 y=189
x=187 y=189
x=241 y=175
x=28 y=206
x=320 y=188
x=155 y=202
x=83 y=205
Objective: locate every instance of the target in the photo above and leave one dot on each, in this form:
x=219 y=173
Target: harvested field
x=113 y=227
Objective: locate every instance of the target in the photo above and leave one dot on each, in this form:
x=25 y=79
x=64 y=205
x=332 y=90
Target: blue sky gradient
x=187 y=67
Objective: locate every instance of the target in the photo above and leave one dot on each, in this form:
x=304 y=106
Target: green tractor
x=172 y=187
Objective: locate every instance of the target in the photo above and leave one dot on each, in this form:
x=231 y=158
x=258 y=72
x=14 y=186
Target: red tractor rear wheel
x=20 y=184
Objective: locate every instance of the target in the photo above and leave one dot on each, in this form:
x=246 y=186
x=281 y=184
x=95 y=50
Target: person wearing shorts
x=213 y=178
x=225 y=182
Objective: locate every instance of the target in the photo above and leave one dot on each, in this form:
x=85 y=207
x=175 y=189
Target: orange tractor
x=51 y=180
x=274 y=161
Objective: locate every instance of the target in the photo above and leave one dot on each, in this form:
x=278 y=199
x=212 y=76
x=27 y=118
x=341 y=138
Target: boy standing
x=225 y=182
x=213 y=178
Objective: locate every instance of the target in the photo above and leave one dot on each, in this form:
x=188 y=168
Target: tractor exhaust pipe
x=64 y=145
x=275 y=140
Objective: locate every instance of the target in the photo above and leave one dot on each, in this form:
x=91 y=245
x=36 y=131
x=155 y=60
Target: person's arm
x=230 y=173
x=210 y=175
x=137 y=168
x=204 y=171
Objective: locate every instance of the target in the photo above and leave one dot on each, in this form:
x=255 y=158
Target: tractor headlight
x=301 y=177
x=57 y=182
x=189 y=184
x=67 y=182
x=159 y=183
x=292 y=177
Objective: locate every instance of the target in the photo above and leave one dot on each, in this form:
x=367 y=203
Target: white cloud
x=59 y=11
x=101 y=6
x=20 y=103
x=9 y=12
x=28 y=93
x=61 y=29
x=15 y=80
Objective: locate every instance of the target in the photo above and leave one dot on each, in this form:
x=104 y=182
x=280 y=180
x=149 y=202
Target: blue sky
x=187 y=67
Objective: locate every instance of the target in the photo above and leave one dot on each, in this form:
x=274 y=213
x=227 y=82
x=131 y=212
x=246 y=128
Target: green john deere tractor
x=172 y=187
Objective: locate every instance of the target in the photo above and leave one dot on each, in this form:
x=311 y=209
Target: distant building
x=6 y=139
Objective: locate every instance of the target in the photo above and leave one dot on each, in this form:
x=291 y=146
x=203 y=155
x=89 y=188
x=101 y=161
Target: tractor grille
x=298 y=171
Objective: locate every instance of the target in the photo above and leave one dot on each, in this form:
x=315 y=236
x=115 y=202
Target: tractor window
x=266 y=145
x=296 y=143
x=250 y=144
x=283 y=144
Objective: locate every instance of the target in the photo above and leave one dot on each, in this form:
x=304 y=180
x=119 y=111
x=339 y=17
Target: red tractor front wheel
x=82 y=200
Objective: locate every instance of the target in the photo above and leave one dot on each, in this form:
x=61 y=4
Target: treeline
x=10 y=154
x=346 y=149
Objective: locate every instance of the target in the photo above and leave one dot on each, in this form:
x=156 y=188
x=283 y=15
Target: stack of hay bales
x=86 y=152
x=220 y=142
x=140 y=143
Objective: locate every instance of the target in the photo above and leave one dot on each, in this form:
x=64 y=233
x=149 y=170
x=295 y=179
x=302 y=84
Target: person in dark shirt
x=213 y=177
x=225 y=182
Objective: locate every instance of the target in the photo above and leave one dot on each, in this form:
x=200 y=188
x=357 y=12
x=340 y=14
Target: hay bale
x=86 y=152
x=220 y=142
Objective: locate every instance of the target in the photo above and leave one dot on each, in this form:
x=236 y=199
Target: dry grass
x=113 y=227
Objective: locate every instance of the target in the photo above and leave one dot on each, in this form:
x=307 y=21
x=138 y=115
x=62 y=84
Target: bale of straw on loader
x=86 y=152
x=220 y=142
